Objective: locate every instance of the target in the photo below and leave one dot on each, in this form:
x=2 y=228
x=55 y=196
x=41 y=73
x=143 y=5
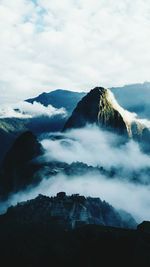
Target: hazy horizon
x=11 y=99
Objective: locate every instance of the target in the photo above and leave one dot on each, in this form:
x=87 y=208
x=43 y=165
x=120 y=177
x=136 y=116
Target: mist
x=95 y=147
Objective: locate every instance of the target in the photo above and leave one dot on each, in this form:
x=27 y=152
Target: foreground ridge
x=69 y=212
x=31 y=235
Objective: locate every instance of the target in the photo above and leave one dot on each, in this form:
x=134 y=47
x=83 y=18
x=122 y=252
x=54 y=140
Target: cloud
x=26 y=110
x=72 y=44
x=96 y=147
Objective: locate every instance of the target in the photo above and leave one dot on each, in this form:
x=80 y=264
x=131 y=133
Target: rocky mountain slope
x=96 y=108
x=69 y=212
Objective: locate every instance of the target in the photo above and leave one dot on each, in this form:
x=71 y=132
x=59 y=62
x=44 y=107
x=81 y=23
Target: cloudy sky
x=72 y=44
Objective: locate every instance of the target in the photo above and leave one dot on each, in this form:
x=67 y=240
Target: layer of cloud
x=27 y=110
x=96 y=147
x=72 y=44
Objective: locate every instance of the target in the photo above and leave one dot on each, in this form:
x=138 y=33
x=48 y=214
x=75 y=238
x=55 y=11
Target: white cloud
x=72 y=44
x=27 y=110
x=96 y=147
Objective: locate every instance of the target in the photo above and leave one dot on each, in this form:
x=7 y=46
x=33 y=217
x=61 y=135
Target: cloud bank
x=72 y=44
x=26 y=110
x=96 y=147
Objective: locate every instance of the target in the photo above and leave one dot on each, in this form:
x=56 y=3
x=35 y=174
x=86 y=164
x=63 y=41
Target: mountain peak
x=99 y=90
x=98 y=107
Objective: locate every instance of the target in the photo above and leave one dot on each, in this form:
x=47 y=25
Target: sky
x=72 y=44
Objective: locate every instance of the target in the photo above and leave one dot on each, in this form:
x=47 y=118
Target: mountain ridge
x=59 y=98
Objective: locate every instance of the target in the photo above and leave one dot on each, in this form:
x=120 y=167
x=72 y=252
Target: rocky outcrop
x=69 y=211
x=19 y=167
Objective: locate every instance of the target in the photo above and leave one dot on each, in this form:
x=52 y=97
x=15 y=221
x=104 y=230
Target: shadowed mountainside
x=10 y=129
x=18 y=168
x=36 y=233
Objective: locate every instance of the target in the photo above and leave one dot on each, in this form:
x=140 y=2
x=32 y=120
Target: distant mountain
x=134 y=97
x=58 y=99
x=18 y=167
